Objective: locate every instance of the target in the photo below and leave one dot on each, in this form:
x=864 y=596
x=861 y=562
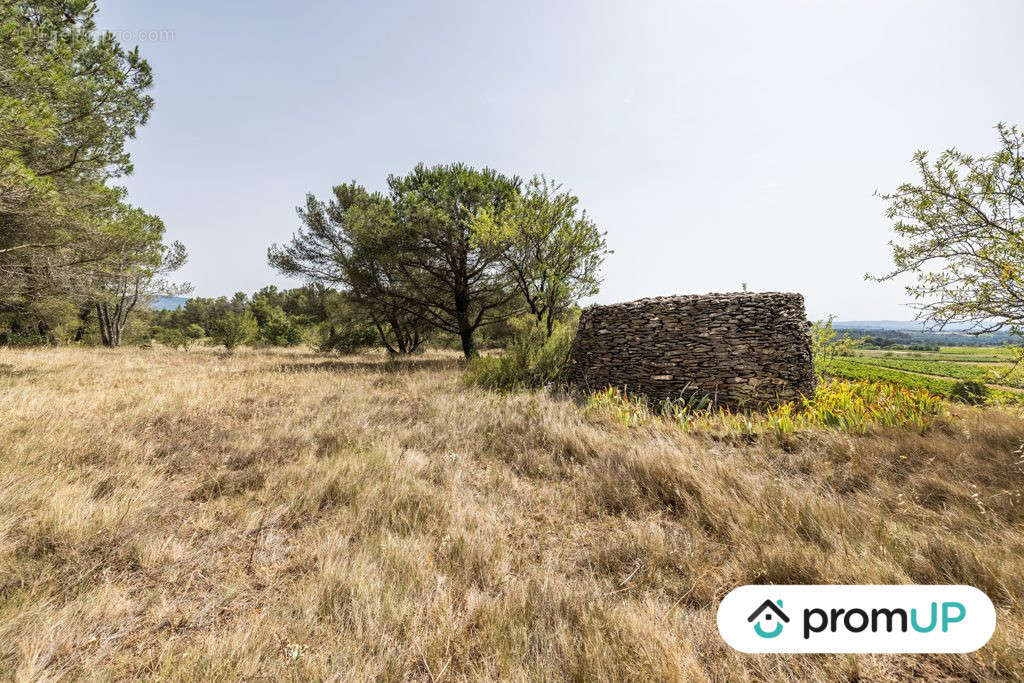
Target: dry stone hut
x=743 y=349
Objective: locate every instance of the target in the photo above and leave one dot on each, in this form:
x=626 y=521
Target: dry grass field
x=288 y=515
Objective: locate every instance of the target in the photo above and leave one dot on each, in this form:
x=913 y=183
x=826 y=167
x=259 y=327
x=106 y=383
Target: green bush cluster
x=532 y=360
x=318 y=316
x=349 y=338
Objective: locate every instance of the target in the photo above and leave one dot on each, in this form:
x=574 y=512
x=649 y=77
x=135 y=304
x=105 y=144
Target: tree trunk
x=468 y=344
x=462 y=318
x=384 y=338
x=111 y=324
x=103 y=320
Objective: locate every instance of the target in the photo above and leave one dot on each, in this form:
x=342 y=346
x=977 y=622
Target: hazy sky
x=717 y=142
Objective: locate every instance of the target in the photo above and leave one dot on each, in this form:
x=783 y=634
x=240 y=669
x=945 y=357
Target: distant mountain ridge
x=894 y=325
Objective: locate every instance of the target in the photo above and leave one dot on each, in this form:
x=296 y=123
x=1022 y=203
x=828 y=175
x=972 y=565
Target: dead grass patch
x=286 y=515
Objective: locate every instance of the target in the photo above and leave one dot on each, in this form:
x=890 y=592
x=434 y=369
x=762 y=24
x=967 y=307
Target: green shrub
x=23 y=339
x=969 y=391
x=531 y=361
x=172 y=337
x=350 y=338
x=280 y=330
x=235 y=329
x=195 y=331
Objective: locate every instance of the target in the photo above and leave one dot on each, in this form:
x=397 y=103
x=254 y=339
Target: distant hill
x=168 y=303
x=896 y=325
x=898 y=333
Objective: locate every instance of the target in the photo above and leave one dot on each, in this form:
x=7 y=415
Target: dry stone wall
x=743 y=349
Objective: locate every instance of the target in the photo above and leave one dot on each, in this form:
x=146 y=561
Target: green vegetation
x=862 y=368
x=552 y=251
x=827 y=345
x=853 y=369
x=959 y=232
x=992 y=373
x=985 y=355
x=74 y=254
x=847 y=406
x=314 y=315
x=235 y=329
x=532 y=360
x=970 y=392
x=449 y=249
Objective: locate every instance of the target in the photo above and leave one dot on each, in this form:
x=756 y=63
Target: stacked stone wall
x=743 y=350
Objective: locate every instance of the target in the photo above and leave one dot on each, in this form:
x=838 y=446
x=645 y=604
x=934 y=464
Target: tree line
x=313 y=315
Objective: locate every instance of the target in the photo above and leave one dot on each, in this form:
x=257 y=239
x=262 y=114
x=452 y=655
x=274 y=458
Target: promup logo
x=856 y=619
x=766 y=612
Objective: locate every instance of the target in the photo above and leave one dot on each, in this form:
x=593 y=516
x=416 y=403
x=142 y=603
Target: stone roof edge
x=692 y=297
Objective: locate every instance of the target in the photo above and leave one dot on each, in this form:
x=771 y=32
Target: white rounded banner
x=856 y=619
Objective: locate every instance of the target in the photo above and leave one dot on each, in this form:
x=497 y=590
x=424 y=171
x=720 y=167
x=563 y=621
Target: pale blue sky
x=716 y=142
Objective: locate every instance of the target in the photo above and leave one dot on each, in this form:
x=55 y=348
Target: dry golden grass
x=286 y=515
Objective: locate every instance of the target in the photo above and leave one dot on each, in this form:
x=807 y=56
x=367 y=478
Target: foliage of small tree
x=442 y=272
x=970 y=392
x=171 y=337
x=276 y=327
x=133 y=272
x=348 y=329
x=176 y=337
x=235 y=329
x=45 y=320
x=194 y=332
x=960 y=232
x=340 y=245
x=70 y=99
x=409 y=258
x=552 y=250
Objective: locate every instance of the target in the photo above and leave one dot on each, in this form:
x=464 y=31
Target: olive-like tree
x=960 y=232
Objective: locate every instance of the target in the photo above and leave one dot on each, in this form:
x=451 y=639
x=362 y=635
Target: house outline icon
x=772 y=607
